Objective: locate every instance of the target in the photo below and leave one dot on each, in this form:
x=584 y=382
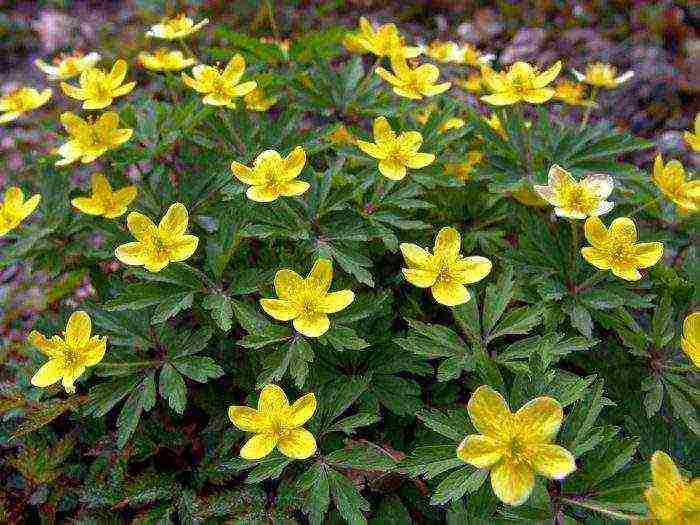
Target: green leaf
x=172 y=388
x=172 y=306
x=497 y=298
x=343 y=338
x=517 y=321
x=351 y=423
x=300 y=355
x=347 y=499
x=269 y=335
x=221 y=310
x=581 y=320
x=248 y=317
x=431 y=461
x=453 y=424
x=201 y=369
x=463 y=481
x=142 y=398
x=314 y=482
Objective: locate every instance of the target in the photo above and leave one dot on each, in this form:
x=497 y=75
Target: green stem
x=171 y=82
x=587 y=114
x=526 y=142
x=574 y=245
x=602 y=510
x=644 y=206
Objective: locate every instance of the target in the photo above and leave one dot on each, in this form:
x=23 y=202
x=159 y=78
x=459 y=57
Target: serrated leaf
x=463 y=481
x=221 y=309
x=199 y=368
x=172 y=388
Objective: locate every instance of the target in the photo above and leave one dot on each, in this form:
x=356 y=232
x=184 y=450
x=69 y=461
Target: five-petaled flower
x=617 y=249
x=98 y=89
x=692 y=139
x=671 y=180
x=602 y=76
x=413 y=83
x=14 y=209
x=452 y=52
x=672 y=498
x=256 y=100
x=690 y=342
x=220 y=87
x=444 y=271
x=176 y=27
x=276 y=424
x=572 y=93
x=577 y=200
x=307 y=302
x=520 y=83
x=385 y=41
x=70 y=353
x=68 y=67
x=515 y=446
x=272 y=176
x=21 y=101
x=104 y=201
x=92 y=138
x=158 y=246
x=395 y=152
x=164 y=59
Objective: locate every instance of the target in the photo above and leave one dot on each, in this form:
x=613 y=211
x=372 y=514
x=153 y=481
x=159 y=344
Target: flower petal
x=596 y=257
x=259 y=446
x=512 y=482
x=174 y=223
x=248 y=419
x=548 y=76
x=392 y=169
x=294 y=188
x=539 y=420
x=94 y=351
x=628 y=273
x=293 y=164
x=49 y=373
x=538 y=96
x=78 y=329
x=280 y=309
x=272 y=400
x=234 y=69
x=288 y=283
x=420 y=278
x=551 y=461
x=472 y=269
x=140 y=226
x=262 y=193
x=448 y=242
x=335 y=301
x=118 y=73
x=298 y=444
x=480 y=451
x=312 y=325
x=320 y=276
x=372 y=149
x=595 y=231
x=247 y=175
x=131 y=253
x=450 y=293
x=88 y=205
x=414 y=255
x=501 y=99
x=419 y=160
x=51 y=347
x=381 y=130
x=489 y=413
x=624 y=229
x=302 y=410
x=183 y=248
x=647 y=254
x=600 y=184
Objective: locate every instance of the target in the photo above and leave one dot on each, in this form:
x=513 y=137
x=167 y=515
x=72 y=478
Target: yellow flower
x=577 y=200
x=341 y=135
x=20 y=101
x=524 y=195
x=473 y=83
x=670 y=179
x=306 y=302
x=616 y=248
x=444 y=271
x=176 y=27
x=68 y=67
x=495 y=124
x=220 y=87
x=98 y=89
x=257 y=101
x=395 y=152
x=413 y=83
x=453 y=52
x=572 y=93
x=473 y=57
x=693 y=139
x=14 y=209
x=463 y=170
x=515 y=446
x=451 y=123
x=104 y=201
x=165 y=60
x=158 y=246
x=672 y=499
x=691 y=337
x=602 y=76
x=521 y=83
x=91 y=139
x=272 y=176
x=422 y=115
x=69 y=353
x=385 y=41
x=276 y=424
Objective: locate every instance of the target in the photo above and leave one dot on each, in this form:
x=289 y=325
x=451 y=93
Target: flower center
x=516 y=451
x=619 y=251
x=578 y=198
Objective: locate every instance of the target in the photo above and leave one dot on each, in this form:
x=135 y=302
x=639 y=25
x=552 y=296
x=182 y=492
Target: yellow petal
x=551 y=461
x=183 y=248
x=472 y=269
x=234 y=69
x=298 y=444
x=302 y=410
x=539 y=420
x=263 y=193
x=628 y=273
x=259 y=446
x=392 y=170
x=122 y=198
x=512 y=482
x=538 y=96
x=489 y=413
x=78 y=329
x=247 y=175
x=29 y=206
x=294 y=188
x=448 y=242
x=372 y=149
x=450 y=293
x=480 y=451
x=596 y=257
x=335 y=301
x=131 y=253
x=272 y=400
x=94 y=351
x=248 y=419
x=288 y=283
x=118 y=73
x=280 y=309
x=88 y=205
x=420 y=278
x=49 y=373
x=548 y=76
x=647 y=254
x=51 y=347
x=312 y=325
x=320 y=276
x=501 y=99
x=381 y=130
x=662 y=505
x=420 y=160
x=624 y=229
x=414 y=255
x=70 y=374
x=293 y=164
x=664 y=474
x=174 y=222
x=140 y=226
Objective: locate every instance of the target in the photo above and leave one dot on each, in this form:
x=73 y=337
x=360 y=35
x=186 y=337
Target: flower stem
x=574 y=245
x=526 y=142
x=602 y=510
x=644 y=206
x=587 y=114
